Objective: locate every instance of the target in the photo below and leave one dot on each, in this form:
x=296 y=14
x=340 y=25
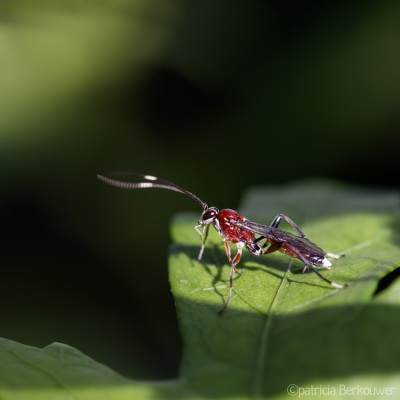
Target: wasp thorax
x=209 y=216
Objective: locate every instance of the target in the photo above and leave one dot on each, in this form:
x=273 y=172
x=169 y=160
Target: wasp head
x=209 y=216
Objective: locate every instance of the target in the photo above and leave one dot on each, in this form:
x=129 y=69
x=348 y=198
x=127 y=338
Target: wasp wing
x=302 y=244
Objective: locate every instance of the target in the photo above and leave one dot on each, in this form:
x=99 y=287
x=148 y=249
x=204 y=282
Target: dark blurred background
x=213 y=95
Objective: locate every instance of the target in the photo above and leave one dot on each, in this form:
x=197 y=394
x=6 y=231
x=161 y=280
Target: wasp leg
x=233 y=264
x=272 y=248
x=203 y=234
x=308 y=265
x=277 y=220
x=237 y=257
x=334 y=284
x=257 y=248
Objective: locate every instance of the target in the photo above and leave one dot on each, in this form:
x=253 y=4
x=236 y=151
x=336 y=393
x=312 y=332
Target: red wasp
x=234 y=228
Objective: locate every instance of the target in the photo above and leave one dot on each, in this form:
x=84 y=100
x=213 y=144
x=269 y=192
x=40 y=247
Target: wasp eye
x=209 y=215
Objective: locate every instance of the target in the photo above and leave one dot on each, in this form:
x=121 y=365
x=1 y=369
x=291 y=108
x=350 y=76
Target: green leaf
x=60 y=372
x=283 y=330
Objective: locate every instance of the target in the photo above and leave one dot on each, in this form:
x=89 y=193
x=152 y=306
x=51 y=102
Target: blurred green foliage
x=212 y=95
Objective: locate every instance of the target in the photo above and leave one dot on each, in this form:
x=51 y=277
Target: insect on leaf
x=284 y=327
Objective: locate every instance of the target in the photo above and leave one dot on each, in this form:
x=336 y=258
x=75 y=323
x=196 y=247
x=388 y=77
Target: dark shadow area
x=57 y=289
x=169 y=104
x=387 y=280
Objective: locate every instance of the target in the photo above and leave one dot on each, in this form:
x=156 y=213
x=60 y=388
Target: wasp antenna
x=116 y=183
x=147 y=182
